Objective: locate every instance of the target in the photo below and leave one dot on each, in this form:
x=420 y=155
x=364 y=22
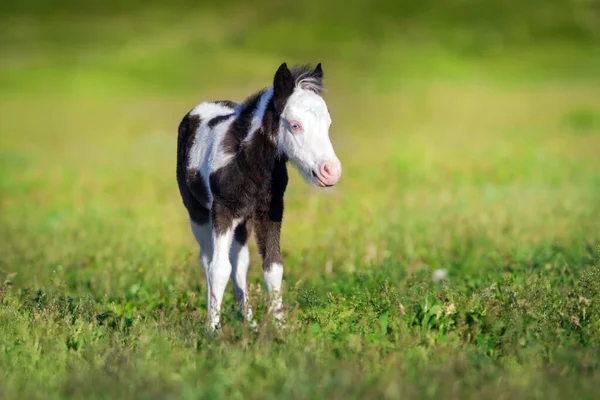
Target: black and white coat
x=232 y=175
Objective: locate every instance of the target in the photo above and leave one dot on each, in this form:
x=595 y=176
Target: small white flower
x=438 y=275
x=401 y=310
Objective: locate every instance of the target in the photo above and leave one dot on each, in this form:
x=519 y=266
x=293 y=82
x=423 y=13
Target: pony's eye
x=295 y=126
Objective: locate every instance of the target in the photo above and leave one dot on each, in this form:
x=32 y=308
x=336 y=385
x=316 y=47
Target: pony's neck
x=261 y=155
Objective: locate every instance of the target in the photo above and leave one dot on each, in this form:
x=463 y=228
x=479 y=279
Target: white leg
x=273 y=276
x=203 y=235
x=240 y=261
x=218 y=274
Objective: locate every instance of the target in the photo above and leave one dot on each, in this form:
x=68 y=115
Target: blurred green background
x=469 y=132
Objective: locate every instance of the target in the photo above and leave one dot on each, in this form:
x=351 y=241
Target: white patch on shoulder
x=259 y=113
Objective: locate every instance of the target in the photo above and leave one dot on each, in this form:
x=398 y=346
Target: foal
x=232 y=175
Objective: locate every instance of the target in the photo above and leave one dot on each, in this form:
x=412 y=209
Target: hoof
x=253 y=325
x=213 y=328
x=279 y=320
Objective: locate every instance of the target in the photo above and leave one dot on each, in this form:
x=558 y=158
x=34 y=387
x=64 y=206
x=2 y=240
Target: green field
x=470 y=139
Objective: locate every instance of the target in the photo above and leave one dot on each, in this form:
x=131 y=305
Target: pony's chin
x=313 y=180
x=310 y=177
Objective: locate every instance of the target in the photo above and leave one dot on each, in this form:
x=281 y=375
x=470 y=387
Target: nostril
x=326 y=170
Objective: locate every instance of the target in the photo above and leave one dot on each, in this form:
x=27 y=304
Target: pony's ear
x=283 y=87
x=318 y=72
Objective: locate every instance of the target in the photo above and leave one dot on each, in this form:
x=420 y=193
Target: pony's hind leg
x=203 y=235
x=240 y=261
x=219 y=268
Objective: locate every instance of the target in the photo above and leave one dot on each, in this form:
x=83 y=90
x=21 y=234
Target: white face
x=304 y=138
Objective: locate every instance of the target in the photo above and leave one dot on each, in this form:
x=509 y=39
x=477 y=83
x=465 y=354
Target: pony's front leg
x=268 y=228
x=219 y=269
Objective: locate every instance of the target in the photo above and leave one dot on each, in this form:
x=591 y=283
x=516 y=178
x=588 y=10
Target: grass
x=484 y=164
